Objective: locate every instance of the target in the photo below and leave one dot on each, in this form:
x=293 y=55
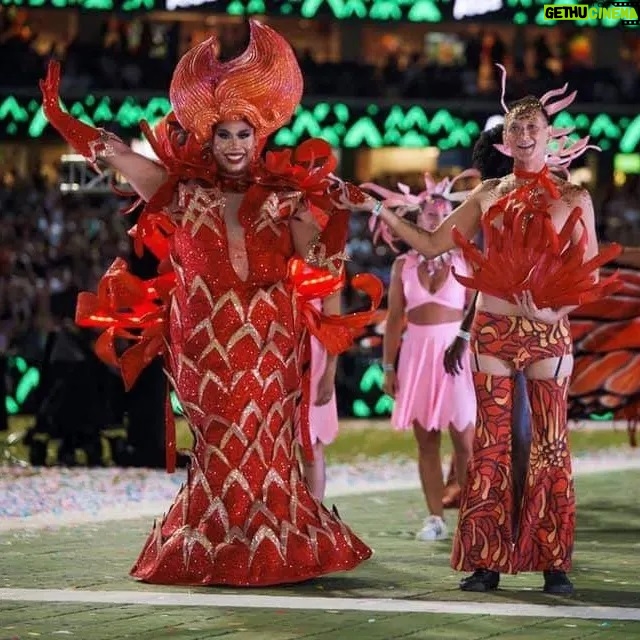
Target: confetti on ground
x=56 y=492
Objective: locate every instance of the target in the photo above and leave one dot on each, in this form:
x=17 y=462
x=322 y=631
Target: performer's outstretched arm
x=144 y=175
x=466 y=218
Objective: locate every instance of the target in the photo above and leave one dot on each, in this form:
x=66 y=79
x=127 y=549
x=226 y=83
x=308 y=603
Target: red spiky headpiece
x=263 y=85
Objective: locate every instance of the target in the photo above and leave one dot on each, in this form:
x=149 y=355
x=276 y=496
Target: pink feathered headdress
x=562 y=150
x=437 y=198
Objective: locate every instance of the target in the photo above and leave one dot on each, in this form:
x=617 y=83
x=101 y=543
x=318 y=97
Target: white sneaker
x=433 y=528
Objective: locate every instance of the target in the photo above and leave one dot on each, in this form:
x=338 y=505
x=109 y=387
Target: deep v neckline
x=236 y=238
x=420 y=274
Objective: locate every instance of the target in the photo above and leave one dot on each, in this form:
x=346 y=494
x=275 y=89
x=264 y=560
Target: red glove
x=345 y=195
x=92 y=143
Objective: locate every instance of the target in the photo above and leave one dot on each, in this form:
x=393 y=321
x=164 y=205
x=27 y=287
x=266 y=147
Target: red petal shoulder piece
x=527 y=253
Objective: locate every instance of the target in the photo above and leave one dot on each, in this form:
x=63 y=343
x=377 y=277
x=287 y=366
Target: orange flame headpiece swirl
x=263 y=85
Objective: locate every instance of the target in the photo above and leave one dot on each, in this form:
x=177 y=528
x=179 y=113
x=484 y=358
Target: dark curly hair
x=490 y=162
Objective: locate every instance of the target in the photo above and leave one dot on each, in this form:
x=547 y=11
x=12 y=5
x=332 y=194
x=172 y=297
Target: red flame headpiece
x=263 y=85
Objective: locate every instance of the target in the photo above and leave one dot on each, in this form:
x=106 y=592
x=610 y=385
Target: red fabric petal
x=528 y=254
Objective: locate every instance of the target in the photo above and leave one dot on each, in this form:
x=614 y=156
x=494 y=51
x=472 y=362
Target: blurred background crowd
x=141 y=54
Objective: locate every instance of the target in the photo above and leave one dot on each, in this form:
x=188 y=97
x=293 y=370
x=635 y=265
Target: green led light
x=11 y=406
x=384 y=406
x=373 y=378
x=385 y=10
x=11 y=109
x=604 y=126
x=20 y=364
x=630 y=141
x=520 y=18
x=235 y=8
x=175 y=404
x=518 y=12
x=424 y=11
x=363 y=133
x=340 y=124
x=602 y=416
x=29 y=381
x=88 y=5
x=360 y=409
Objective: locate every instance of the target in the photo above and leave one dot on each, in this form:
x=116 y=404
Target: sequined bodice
x=201 y=247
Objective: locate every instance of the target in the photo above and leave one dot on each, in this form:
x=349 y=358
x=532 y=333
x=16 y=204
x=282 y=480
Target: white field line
x=298 y=603
x=345 y=486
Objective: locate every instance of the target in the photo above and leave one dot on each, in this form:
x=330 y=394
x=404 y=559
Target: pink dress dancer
x=323 y=418
x=323 y=409
x=425 y=309
x=426 y=394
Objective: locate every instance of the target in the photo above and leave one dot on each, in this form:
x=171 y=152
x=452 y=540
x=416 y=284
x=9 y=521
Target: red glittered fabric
x=235 y=353
x=236 y=350
x=526 y=253
x=232 y=323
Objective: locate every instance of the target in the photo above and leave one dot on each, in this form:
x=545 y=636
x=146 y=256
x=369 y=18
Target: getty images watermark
x=626 y=12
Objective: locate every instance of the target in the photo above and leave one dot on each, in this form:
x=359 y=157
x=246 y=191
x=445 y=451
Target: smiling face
x=234 y=145
x=526 y=134
x=433 y=213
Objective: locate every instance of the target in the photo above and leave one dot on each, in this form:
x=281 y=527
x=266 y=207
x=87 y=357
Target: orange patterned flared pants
x=485 y=537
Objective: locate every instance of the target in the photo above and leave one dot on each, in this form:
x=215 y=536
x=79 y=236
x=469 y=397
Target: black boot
x=557 y=583
x=481 y=580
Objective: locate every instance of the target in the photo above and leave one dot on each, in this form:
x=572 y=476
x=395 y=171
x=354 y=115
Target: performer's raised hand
x=85 y=139
x=50 y=88
x=345 y=195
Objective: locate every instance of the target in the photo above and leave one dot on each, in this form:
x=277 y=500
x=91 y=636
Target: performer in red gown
x=229 y=313
x=541 y=261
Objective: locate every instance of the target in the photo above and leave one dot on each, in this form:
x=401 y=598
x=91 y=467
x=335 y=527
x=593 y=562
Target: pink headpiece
x=562 y=150
x=437 y=198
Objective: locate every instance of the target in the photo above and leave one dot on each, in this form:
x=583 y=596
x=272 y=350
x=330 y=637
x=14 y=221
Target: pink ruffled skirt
x=426 y=392
x=323 y=420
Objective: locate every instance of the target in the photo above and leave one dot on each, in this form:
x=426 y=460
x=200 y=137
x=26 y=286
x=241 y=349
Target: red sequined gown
x=245 y=517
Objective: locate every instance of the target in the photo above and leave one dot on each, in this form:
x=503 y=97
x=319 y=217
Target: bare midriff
x=491 y=304
x=434 y=313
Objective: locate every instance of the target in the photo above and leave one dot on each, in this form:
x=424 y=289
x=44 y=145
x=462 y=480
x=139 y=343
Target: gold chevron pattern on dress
x=276 y=210
x=235 y=361
x=201 y=207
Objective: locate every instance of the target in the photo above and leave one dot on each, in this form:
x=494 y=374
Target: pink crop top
x=451 y=294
